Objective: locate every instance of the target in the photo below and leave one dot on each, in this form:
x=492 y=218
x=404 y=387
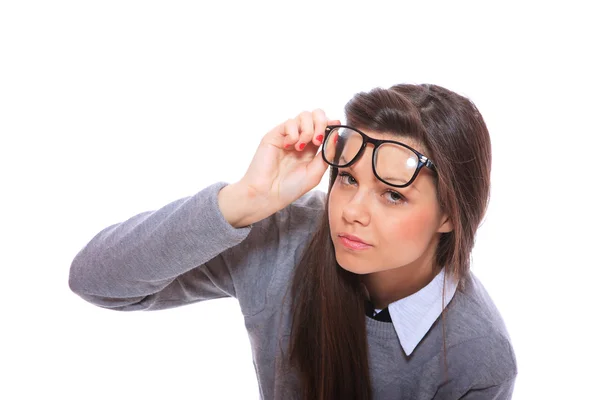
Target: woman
x=361 y=293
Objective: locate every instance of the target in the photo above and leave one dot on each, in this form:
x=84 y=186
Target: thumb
x=316 y=169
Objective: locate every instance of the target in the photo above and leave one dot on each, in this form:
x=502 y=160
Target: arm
x=479 y=368
x=179 y=254
x=502 y=391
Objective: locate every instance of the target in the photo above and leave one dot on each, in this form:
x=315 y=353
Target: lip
x=353 y=242
x=353 y=238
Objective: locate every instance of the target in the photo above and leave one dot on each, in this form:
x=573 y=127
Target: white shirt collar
x=414 y=315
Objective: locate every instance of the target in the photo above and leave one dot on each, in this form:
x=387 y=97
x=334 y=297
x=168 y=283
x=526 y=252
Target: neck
x=385 y=287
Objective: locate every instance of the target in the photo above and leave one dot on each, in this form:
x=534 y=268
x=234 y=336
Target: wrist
x=235 y=205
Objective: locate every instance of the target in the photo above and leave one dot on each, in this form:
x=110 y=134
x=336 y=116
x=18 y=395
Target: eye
x=390 y=196
x=396 y=198
x=343 y=175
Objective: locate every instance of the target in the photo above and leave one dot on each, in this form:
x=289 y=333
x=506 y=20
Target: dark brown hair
x=328 y=342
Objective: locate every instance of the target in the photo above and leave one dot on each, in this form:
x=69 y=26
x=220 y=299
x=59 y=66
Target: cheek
x=414 y=227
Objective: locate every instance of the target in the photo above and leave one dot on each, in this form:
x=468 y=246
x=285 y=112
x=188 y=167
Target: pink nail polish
x=319 y=138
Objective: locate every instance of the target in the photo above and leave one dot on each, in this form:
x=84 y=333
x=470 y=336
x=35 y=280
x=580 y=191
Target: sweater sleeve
x=501 y=391
x=478 y=368
x=176 y=255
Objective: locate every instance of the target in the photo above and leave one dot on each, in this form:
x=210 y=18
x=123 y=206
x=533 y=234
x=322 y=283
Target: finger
x=315 y=170
x=307 y=129
x=290 y=133
x=333 y=122
x=320 y=122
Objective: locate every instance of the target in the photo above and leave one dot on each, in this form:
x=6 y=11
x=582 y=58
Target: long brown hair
x=328 y=342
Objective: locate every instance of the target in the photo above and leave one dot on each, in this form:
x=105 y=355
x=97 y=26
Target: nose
x=356 y=210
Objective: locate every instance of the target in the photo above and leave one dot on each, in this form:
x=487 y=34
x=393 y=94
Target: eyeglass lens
x=394 y=164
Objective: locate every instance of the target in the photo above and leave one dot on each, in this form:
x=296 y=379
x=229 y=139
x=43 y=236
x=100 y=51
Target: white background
x=111 y=108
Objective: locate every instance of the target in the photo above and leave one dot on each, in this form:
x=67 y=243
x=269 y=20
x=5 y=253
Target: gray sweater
x=186 y=252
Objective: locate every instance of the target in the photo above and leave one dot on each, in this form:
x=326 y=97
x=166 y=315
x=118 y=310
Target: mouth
x=353 y=243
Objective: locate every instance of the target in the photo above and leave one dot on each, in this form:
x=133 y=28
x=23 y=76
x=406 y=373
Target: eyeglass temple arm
x=427 y=161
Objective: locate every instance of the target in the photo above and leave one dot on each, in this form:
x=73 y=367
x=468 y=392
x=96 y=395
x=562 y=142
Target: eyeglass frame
x=421 y=158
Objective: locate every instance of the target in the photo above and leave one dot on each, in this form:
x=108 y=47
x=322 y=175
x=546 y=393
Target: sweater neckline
x=380 y=329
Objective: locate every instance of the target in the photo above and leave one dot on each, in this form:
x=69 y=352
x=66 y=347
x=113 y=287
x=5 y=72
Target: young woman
x=363 y=292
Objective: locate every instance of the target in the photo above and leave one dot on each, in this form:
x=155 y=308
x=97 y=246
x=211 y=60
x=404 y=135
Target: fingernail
x=302 y=145
x=286 y=146
x=319 y=138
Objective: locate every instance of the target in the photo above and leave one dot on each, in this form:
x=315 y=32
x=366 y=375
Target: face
x=400 y=225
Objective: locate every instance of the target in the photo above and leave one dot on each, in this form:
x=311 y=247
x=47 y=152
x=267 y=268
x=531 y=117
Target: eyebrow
x=387 y=178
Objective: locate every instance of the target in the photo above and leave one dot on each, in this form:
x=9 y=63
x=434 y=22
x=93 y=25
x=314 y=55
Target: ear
x=445 y=225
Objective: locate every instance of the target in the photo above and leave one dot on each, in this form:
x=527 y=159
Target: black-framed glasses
x=394 y=163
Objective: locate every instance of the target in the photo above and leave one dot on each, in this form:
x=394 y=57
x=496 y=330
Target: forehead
x=411 y=142
x=397 y=138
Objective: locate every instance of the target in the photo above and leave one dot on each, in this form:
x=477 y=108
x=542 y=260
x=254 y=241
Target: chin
x=353 y=267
